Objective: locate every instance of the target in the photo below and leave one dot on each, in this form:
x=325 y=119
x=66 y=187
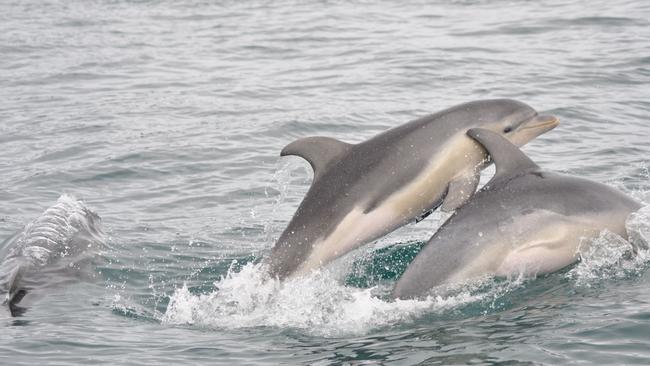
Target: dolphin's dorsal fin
x=318 y=151
x=509 y=160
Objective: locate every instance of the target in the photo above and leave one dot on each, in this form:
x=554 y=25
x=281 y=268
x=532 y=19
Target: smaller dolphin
x=524 y=221
x=363 y=191
x=46 y=249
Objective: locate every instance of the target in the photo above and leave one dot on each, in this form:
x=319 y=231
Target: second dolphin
x=524 y=221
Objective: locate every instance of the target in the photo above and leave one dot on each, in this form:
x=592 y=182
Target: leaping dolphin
x=524 y=221
x=363 y=191
x=50 y=246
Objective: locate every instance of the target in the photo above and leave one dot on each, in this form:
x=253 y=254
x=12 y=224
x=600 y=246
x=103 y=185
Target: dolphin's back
x=563 y=194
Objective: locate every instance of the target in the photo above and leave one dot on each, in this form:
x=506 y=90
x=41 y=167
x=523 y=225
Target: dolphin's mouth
x=544 y=122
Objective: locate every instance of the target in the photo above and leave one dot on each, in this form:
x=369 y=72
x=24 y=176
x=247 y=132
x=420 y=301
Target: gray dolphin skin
x=49 y=249
x=524 y=221
x=363 y=191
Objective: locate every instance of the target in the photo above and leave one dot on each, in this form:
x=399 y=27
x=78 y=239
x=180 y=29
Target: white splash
x=609 y=256
x=316 y=303
x=319 y=304
x=65 y=229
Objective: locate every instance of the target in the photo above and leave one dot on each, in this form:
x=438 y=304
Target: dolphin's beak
x=542 y=123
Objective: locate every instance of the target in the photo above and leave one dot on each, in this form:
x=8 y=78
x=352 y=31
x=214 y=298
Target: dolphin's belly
x=402 y=206
x=359 y=227
x=549 y=251
x=454 y=159
x=541 y=244
x=355 y=229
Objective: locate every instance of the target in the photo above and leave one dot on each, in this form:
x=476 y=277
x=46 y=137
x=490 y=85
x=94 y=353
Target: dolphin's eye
x=507 y=129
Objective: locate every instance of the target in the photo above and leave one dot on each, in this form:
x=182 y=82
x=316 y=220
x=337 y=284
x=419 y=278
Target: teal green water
x=167 y=118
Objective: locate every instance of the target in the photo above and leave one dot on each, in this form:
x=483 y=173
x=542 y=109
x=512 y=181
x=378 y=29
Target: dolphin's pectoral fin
x=460 y=190
x=318 y=151
x=428 y=212
x=509 y=160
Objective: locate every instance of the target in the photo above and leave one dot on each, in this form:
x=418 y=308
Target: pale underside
x=457 y=160
x=538 y=243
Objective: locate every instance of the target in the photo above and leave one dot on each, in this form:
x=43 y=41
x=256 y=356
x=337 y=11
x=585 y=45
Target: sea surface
x=167 y=118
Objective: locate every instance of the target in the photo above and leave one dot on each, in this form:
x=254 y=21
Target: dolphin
x=363 y=191
x=524 y=221
x=46 y=250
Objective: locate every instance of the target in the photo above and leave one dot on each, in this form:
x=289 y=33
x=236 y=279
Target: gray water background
x=167 y=118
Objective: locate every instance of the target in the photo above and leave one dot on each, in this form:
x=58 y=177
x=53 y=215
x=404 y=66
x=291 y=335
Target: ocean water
x=167 y=117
